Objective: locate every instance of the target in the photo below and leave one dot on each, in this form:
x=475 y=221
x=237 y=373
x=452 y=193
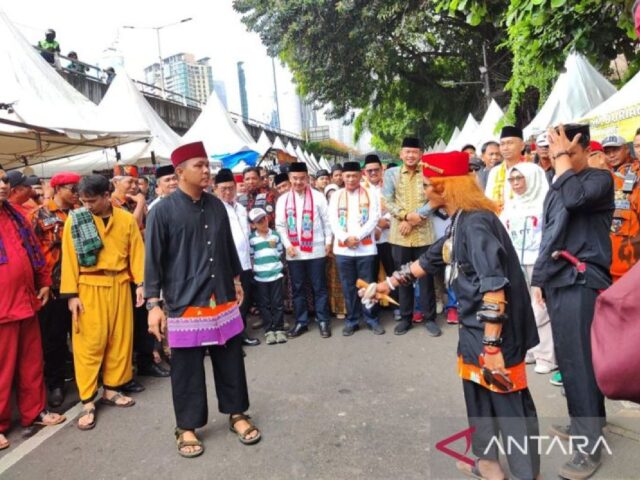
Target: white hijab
x=531 y=202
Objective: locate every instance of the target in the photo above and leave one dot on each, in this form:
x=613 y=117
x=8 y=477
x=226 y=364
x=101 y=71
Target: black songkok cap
x=225 y=175
x=322 y=173
x=298 y=167
x=280 y=178
x=337 y=167
x=372 y=158
x=411 y=142
x=511 y=132
x=164 y=170
x=573 y=129
x=351 y=167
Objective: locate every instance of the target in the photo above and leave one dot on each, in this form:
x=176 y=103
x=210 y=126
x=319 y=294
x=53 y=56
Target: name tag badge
x=623 y=205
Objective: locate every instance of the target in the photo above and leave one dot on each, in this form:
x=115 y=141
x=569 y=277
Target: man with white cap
x=544 y=160
x=615 y=148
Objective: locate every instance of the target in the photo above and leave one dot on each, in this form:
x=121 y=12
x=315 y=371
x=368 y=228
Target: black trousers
x=55 y=325
x=270 y=299
x=386 y=258
x=511 y=416
x=402 y=255
x=248 y=287
x=571 y=312
x=189 y=387
x=143 y=342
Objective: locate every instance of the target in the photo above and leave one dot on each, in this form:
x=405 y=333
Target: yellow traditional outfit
x=105 y=336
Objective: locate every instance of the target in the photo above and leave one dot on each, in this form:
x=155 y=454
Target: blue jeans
x=350 y=269
x=315 y=271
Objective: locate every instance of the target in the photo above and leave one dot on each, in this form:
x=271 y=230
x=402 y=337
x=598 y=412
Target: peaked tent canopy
x=454 y=136
x=278 y=144
x=467 y=134
x=221 y=136
x=578 y=90
x=43 y=117
x=487 y=129
x=291 y=150
x=324 y=164
x=243 y=129
x=619 y=115
x=264 y=144
x=125 y=100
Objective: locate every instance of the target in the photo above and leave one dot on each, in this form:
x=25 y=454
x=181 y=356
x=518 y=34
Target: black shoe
x=132 y=387
x=561 y=431
x=153 y=370
x=402 y=327
x=325 y=329
x=56 y=397
x=298 y=330
x=433 y=329
x=250 y=342
x=580 y=467
x=349 y=330
x=377 y=329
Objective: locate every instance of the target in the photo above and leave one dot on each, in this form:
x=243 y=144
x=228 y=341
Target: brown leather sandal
x=181 y=443
x=242 y=436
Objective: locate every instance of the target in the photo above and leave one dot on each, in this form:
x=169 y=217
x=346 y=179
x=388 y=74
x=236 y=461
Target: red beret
x=64 y=178
x=451 y=164
x=125 y=171
x=187 y=152
x=596 y=146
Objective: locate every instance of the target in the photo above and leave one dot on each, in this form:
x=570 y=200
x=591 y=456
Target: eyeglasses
x=517 y=178
x=71 y=188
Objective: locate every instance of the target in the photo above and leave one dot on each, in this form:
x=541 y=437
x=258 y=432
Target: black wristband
x=492 y=341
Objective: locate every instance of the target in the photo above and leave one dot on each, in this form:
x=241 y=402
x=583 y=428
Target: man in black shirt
x=571 y=269
x=191 y=257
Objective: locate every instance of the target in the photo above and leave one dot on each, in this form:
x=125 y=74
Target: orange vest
x=625 y=228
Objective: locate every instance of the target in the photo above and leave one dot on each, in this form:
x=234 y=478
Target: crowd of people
x=158 y=271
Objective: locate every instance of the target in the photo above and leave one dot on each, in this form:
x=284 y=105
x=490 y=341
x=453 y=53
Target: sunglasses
x=517 y=178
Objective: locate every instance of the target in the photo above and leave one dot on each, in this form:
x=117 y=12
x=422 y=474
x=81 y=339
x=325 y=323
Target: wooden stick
x=362 y=284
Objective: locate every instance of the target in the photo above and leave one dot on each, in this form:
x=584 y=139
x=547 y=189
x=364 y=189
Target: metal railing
x=266 y=126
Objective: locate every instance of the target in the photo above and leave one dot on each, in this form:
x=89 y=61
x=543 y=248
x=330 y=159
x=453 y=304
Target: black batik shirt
x=190 y=253
x=487 y=262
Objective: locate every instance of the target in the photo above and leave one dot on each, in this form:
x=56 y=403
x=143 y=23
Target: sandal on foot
x=6 y=443
x=86 y=413
x=40 y=419
x=113 y=401
x=474 y=472
x=242 y=436
x=187 y=443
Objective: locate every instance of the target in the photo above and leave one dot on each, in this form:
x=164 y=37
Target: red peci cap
x=596 y=146
x=187 y=152
x=64 y=178
x=451 y=164
x=239 y=178
x=125 y=171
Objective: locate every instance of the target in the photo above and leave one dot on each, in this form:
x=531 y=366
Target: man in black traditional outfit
x=572 y=268
x=191 y=257
x=497 y=325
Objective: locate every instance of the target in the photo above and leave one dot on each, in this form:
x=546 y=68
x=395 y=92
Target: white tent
x=243 y=129
x=316 y=161
x=619 y=115
x=124 y=99
x=218 y=131
x=302 y=157
x=487 y=129
x=324 y=164
x=466 y=135
x=291 y=150
x=44 y=117
x=454 y=136
x=278 y=144
x=578 y=90
x=264 y=144
x=439 y=146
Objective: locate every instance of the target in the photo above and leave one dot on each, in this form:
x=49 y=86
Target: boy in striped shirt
x=266 y=251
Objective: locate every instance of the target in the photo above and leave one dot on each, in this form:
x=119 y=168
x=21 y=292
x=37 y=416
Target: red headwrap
x=125 y=171
x=596 y=146
x=187 y=152
x=451 y=164
x=64 y=178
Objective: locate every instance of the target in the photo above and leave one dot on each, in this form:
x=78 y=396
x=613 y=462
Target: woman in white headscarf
x=522 y=217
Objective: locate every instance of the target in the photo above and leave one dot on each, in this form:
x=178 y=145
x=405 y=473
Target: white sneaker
x=439 y=307
x=270 y=338
x=543 y=369
x=529 y=359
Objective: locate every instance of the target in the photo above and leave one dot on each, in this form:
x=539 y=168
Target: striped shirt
x=266 y=252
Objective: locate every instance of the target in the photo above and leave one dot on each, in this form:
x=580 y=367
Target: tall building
x=184 y=75
x=221 y=90
x=242 y=82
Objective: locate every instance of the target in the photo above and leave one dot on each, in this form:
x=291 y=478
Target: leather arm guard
x=404 y=275
x=490 y=309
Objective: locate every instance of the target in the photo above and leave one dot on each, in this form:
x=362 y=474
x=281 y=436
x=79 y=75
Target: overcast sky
x=215 y=31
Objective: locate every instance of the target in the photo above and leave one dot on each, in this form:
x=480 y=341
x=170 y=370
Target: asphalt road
x=340 y=408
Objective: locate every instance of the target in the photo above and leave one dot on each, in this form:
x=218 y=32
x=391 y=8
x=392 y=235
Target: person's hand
x=414 y=219
x=377 y=233
x=384 y=223
x=352 y=242
x=328 y=250
x=239 y=293
x=157 y=323
x=405 y=228
x=495 y=363
x=76 y=308
x=138 y=198
x=139 y=296
x=536 y=293
x=292 y=251
x=559 y=143
x=43 y=295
